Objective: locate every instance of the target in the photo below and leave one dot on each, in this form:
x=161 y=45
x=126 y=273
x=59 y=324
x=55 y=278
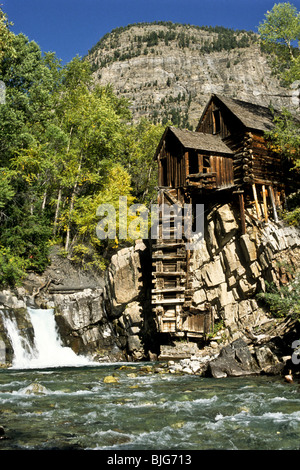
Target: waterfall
x=47 y=350
x=23 y=350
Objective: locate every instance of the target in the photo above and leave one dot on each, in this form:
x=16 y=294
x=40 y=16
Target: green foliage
x=86 y=247
x=7 y=191
x=292 y=213
x=283 y=301
x=218 y=326
x=285 y=136
x=279 y=32
x=292 y=217
x=140 y=145
x=12 y=268
x=6 y=37
x=66 y=147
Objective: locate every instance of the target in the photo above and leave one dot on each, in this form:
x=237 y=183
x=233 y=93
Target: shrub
x=283 y=301
x=12 y=268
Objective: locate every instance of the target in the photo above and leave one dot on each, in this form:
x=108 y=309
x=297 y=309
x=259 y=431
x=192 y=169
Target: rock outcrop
x=238 y=358
x=85 y=327
x=230 y=269
x=128 y=300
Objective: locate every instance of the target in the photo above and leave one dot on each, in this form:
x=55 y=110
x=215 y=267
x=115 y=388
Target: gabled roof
x=252 y=116
x=197 y=141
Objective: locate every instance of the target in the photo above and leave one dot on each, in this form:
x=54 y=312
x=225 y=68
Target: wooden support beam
x=265 y=202
x=186 y=164
x=242 y=212
x=272 y=198
x=256 y=202
x=168 y=301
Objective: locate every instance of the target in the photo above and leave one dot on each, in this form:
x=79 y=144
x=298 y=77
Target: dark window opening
x=164 y=171
x=193 y=163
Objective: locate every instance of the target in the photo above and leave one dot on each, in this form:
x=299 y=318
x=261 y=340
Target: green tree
x=138 y=158
x=24 y=118
x=280 y=34
x=66 y=147
x=6 y=37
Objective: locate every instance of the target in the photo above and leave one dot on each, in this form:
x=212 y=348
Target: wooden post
x=256 y=201
x=168 y=169
x=242 y=211
x=160 y=172
x=272 y=198
x=186 y=161
x=265 y=202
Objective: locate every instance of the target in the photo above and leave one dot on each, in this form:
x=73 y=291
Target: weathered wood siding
x=223 y=167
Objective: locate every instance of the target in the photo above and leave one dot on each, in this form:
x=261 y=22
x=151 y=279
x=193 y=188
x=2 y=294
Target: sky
x=72 y=27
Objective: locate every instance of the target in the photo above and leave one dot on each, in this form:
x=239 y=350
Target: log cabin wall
x=261 y=165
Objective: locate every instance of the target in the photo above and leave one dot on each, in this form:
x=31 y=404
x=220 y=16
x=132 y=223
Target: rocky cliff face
x=169 y=71
x=230 y=269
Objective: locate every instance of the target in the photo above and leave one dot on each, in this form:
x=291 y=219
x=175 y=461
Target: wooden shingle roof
x=252 y=116
x=197 y=141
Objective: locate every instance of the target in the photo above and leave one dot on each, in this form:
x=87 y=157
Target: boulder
x=135 y=348
x=124 y=278
x=234 y=360
x=232 y=259
x=110 y=379
x=265 y=357
x=226 y=225
x=35 y=389
x=249 y=248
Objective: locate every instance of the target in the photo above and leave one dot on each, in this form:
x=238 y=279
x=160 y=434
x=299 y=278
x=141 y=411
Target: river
x=51 y=399
x=146 y=411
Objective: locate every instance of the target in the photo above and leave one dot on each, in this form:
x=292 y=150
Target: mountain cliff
x=167 y=71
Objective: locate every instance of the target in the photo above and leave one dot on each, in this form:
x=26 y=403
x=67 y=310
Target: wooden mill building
x=227 y=154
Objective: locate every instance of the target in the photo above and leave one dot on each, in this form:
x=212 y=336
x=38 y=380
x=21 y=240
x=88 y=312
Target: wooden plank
x=169 y=257
x=167 y=245
x=265 y=202
x=272 y=199
x=168 y=290
x=242 y=212
x=168 y=301
x=256 y=202
x=186 y=163
x=169 y=273
x=202 y=175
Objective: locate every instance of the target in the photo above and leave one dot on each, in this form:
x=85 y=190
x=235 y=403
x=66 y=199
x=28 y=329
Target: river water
x=51 y=399
x=76 y=409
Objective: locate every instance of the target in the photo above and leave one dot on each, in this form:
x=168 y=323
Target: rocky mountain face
x=168 y=71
